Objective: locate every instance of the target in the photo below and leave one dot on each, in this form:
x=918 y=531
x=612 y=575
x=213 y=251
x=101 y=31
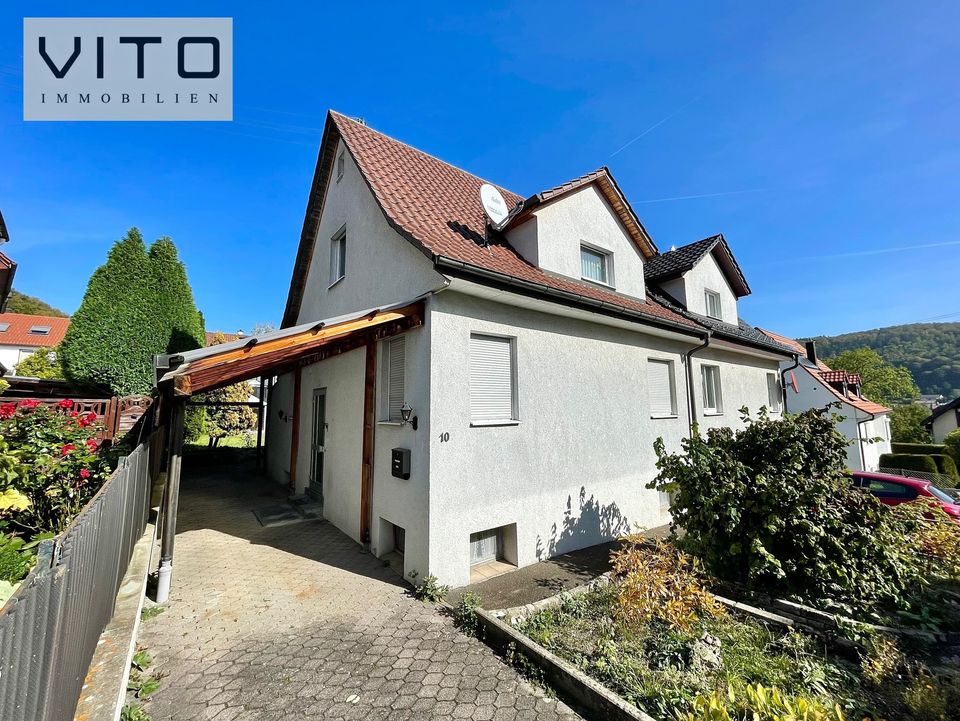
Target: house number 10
x=444 y=437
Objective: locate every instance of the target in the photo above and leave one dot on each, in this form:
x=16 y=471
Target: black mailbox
x=400 y=463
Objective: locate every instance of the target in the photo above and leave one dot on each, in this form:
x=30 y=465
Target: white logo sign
x=127 y=69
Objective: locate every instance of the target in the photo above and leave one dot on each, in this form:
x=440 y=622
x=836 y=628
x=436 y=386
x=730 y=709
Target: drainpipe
x=691 y=403
x=783 y=380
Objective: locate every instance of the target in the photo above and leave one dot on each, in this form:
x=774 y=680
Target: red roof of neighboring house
x=437 y=208
x=827 y=375
x=18 y=327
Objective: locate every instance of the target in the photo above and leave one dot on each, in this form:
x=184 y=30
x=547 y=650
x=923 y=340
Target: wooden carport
x=180 y=376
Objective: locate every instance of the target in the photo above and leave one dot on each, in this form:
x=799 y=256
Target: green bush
x=771 y=506
x=137 y=305
x=909 y=462
x=194 y=424
x=945 y=465
x=758 y=703
x=924 y=449
x=44 y=363
x=952 y=445
x=15 y=562
x=906 y=424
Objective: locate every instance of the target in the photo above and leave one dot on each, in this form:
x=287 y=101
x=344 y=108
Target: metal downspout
x=691 y=403
x=783 y=380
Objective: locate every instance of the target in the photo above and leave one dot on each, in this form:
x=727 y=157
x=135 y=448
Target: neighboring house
x=211 y=336
x=8 y=269
x=551 y=355
x=21 y=335
x=813 y=384
x=944 y=419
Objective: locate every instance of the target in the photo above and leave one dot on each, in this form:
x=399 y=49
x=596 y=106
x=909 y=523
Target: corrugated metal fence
x=50 y=627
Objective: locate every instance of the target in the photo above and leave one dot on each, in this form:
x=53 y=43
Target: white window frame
x=716 y=409
x=338 y=256
x=672 y=380
x=390 y=347
x=707 y=295
x=514 y=418
x=607 y=257
x=774 y=393
x=341 y=163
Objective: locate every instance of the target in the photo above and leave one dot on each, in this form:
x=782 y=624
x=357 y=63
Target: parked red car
x=893 y=490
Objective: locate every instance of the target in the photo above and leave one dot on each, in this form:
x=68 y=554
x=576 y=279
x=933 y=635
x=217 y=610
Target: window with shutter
x=492 y=379
x=660 y=382
x=712 y=398
x=394 y=365
x=773 y=393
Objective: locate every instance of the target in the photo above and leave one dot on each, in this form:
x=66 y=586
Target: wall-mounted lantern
x=406 y=416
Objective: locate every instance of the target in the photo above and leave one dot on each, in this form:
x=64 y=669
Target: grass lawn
x=228 y=442
x=662 y=669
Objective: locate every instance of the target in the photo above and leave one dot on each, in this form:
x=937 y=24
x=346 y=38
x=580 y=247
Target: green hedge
x=945 y=465
x=926 y=449
x=909 y=462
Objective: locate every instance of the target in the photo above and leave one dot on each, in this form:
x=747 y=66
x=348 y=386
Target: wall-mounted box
x=400 y=463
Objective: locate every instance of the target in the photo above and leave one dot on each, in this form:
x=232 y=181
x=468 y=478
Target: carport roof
x=270 y=354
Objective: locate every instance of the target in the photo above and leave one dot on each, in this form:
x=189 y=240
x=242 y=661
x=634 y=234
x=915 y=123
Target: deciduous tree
x=882 y=382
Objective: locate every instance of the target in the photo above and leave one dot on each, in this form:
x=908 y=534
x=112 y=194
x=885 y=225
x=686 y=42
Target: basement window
x=40 y=330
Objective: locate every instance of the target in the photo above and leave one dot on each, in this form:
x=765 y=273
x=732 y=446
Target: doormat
x=307 y=506
x=277 y=515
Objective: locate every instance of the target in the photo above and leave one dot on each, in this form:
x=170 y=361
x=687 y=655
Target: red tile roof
x=826 y=375
x=19 y=325
x=211 y=336
x=437 y=207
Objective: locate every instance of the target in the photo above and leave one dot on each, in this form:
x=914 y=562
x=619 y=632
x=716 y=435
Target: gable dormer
x=703 y=277
x=584 y=230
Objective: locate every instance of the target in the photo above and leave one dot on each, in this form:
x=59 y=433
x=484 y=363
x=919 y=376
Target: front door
x=318 y=439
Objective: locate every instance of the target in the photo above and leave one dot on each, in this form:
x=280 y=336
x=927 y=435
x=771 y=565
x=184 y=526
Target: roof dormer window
x=713 y=304
x=595 y=265
x=39 y=330
x=4 y=327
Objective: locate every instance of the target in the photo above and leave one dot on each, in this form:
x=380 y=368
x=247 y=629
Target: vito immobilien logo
x=127 y=69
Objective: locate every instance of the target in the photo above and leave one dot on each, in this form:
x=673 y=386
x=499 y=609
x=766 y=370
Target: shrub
x=909 y=462
x=930 y=698
x=659 y=582
x=429 y=589
x=15 y=561
x=465 y=613
x=194 y=424
x=51 y=456
x=758 y=703
x=882 y=659
x=44 y=363
x=945 y=465
x=951 y=445
x=771 y=506
x=924 y=449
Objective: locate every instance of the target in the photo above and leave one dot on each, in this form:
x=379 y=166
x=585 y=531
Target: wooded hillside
x=930 y=350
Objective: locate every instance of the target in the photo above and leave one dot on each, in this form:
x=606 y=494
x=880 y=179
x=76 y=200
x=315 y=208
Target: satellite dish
x=494 y=206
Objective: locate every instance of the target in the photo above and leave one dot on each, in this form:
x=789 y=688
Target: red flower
x=91 y=445
x=65 y=403
x=91 y=417
x=67 y=448
x=74 y=414
x=7 y=410
x=84 y=473
x=29 y=403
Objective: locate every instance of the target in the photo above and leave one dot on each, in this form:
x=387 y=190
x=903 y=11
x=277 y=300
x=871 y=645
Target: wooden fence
x=118 y=415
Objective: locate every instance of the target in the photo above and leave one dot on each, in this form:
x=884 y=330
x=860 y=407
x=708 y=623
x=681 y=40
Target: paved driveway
x=294 y=621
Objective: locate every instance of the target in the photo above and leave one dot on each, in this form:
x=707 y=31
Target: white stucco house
x=811 y=383
x=944 y=419
x=21 y=335
x=516 y=421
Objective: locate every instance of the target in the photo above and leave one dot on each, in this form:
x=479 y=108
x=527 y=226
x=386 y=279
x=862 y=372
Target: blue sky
x=821 y=139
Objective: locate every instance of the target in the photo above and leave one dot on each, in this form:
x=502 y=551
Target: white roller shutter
x=396 y=351
x=660 y=384
x=491 y=378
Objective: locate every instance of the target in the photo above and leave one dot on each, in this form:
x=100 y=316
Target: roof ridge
x=422 y=152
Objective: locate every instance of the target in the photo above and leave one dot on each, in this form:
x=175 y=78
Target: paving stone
x=295 y=621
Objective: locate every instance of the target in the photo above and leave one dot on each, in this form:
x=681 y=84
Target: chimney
x=812 y=351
